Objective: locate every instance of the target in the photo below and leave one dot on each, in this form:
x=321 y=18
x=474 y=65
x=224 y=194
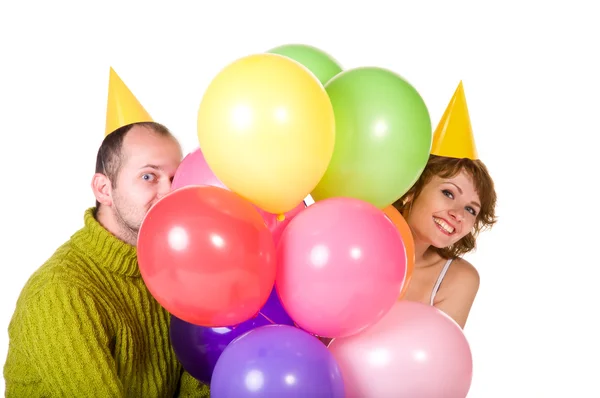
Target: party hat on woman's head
x=453 y=136
x=122 y=108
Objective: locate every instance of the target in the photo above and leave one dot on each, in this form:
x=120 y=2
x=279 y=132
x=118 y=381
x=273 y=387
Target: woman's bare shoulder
x=458 y=292
x=463 y=269
x=462 y=278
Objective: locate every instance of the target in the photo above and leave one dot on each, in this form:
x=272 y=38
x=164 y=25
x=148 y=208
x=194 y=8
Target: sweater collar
x=105 y=249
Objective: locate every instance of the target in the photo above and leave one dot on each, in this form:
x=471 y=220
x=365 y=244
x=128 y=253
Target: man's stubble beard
x=129 y=230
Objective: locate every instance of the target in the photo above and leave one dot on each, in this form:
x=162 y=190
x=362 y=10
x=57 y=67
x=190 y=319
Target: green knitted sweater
x=85 y=325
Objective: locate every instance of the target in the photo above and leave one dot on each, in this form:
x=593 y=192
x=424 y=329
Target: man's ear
x=102 y=189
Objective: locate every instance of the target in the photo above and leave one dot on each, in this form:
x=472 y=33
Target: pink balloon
x=415 y=350
x=341 y=265
x=194 y=170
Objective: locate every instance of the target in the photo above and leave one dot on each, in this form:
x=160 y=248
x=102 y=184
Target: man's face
x=148 y=164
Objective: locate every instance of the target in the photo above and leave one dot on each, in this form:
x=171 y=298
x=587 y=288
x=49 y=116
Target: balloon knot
x=280 y=217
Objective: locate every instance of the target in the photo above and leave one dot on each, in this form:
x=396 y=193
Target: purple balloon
x=277 y=361
x=273 y=310
x=198 y=348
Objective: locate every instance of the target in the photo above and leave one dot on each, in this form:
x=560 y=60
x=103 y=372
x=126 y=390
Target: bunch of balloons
x=279 y=234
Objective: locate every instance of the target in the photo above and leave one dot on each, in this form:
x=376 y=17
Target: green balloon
x=383 y=137
x=321 y=64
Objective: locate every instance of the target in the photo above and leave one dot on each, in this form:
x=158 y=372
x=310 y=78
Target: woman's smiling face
x=445 y=211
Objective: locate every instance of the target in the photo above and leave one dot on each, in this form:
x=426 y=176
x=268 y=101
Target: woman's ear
x=407 y=204
x=408 y=199
x=102 y=189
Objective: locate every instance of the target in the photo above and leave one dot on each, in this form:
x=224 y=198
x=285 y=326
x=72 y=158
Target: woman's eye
x=148 y=177
x=471 y=210
x=447 y=193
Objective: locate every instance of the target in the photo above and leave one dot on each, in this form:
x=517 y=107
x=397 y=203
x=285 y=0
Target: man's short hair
x=110 y=154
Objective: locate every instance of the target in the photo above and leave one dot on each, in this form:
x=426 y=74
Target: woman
x=453 y=200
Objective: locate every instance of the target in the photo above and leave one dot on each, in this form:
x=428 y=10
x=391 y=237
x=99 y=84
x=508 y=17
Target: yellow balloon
x=266 y=128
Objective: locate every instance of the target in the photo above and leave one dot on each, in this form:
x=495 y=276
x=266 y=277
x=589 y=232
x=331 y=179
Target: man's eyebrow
x=151 y=166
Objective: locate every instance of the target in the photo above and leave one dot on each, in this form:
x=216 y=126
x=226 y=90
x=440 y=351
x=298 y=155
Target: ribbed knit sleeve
x=192 y=388
x=64 y=334
x=86 y=325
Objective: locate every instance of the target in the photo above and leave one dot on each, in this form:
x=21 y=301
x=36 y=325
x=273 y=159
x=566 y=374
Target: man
x=85 y=324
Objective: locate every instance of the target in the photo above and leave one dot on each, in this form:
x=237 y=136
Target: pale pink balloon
x=341 y=266
x=194 y=170
x=415 y=350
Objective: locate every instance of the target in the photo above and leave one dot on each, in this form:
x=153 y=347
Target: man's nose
x=164 y=188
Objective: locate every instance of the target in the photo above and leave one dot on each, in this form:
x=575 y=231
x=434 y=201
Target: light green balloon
x=383 y=137
x=321 y=64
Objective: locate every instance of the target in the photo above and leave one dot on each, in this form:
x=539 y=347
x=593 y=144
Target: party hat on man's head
x=122 y=108
x=453 y=136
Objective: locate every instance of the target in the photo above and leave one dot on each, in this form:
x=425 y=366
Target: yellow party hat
x=122 y=108
x=453 y=136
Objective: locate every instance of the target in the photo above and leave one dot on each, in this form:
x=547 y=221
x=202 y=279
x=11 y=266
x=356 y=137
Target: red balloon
x=207 y=256
x=194 y=170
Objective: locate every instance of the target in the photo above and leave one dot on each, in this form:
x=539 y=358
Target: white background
x=530 y=73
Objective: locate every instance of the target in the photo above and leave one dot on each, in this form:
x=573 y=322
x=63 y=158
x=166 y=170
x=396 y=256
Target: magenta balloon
x=341 y=266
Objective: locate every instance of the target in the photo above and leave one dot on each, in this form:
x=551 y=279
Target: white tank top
x=439 y=280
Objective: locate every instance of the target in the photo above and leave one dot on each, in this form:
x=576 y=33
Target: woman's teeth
x=443 y=224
